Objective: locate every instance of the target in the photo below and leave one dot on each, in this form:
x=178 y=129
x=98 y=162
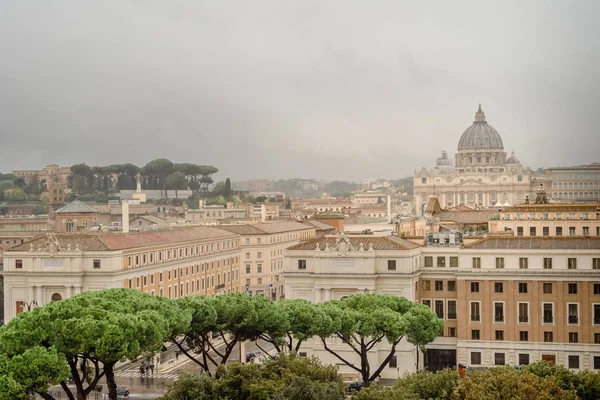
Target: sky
x=324 y=89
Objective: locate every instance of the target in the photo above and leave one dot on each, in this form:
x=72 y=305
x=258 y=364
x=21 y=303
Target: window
x=391 y=265
x=596 y=338
x=301 y=264
x=523 y=263
x=548 y=312
x=586 y=231
x=475 y=334
x=97 y=264
x=547 y=263
x=523 y=312
x=499 y=335
x=451 y=309
x=498 y=287
x=452 y=286
x=519 y=229
x=596 y=314
x=499 y=312
x=247 y=255
x=474 y=287
x=574 y=362
x=572 y=288
x=547 y=288
x=451 y=332
x=596 y=263
x=522 y=287
x=571 y=231
x=573 y=313
x=441 y=261
x=160 y=279
x=439 y=286
x=439 y=308
x=546 y=231
x=453 y=262
x=130 y=284
x=475 y=358
x=19 y=264
x=523 y=359
x=596 y=362
x=426 y=303
x=499 y=359
x=428 y=261
x=558 y=228
x=259 y=281
x=393 y=362
x=475 y=311
x=573 y=337
x=249 y=268
x=532 y=231
x=548 y=337
x=499 y=262
x=138 y=282
x=259 y=268
x=476 y=262
x=145 y=281
x=524 y=336
x=129 y=261
x=572 y=263
x=596 y=288
x=426 y=285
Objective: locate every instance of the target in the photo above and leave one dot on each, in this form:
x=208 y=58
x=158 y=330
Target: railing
x=523 y=318
x=475 y=317
x=440 y=315
x=548 y=320
x=573 y=319
x=597 y=320
x=221 y=286
x=451 y=315
x=499 y=318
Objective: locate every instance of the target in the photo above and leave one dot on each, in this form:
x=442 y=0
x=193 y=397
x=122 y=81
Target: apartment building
x=262 y=247
x=504 y=300
x=170 y=263
x=580 y=184
x=549 y=220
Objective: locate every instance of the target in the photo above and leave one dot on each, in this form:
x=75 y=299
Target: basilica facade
x=482 y=175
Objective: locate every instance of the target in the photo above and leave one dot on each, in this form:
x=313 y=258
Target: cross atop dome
x=479 y=115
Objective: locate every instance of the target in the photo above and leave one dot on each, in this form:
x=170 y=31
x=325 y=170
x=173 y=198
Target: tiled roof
x=466 y=217
x=523 y=208
x=266 y=228
x=122 y=241
x=76 y=207
x=537 y=243
x=320 y=226
x=378 y=242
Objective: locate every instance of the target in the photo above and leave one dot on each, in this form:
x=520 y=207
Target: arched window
x=56 y=297
x=69 y=225
x=85 y=224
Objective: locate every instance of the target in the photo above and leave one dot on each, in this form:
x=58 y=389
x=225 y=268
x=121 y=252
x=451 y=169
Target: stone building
x=482 y=175
x=580 y=184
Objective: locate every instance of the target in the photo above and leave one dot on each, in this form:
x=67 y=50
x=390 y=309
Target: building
x=504 y=300
x=321 y=229
x=172 y=263
x=579 y=184
x=369 y=199
x=51 y=173
x=262 y=247
x=76 y=217
x=549 y=220
x=215 y=213
x=482 y=175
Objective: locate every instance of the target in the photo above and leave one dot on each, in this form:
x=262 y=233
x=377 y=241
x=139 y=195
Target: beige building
x=51 y=173
x=173 y=263
x=579 y=184
x=262 y=247
x=482 y=175
x=549 y=220
x=504 y=300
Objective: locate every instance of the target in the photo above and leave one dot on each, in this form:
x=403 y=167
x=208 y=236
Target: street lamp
x=29 y=305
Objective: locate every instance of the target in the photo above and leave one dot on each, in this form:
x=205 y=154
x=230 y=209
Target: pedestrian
x=152 y=368
x=177 y=355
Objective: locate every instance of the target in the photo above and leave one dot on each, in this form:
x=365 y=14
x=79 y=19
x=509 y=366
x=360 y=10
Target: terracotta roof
x=466 y=217
x=76 y=207
x=537 y=243
x=320 y=226
x=460 y=207
x=553 y=208
x=266 y=228
x=378 y=242
x=122 y=241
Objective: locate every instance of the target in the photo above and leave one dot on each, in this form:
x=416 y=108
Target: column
x=39 y=295
x=317 y=295
x=30 y=296
x=77 y=290
x=69 y=291
x=327 y=294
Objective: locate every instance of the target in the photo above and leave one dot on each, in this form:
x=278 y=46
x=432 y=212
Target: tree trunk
x=109 y=373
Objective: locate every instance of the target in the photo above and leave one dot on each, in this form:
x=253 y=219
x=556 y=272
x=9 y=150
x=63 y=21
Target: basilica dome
x=480 y=135
x=512 y=159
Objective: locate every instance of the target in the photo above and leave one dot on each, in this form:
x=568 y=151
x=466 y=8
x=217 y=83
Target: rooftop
x=320 y=226
x=537 y=243
x=122 y=241
x=378 y=243
x=76 y=206
x=522 y=208
x=265 y=228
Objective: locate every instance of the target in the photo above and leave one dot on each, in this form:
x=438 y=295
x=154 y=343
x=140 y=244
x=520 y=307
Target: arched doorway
x=56 y=297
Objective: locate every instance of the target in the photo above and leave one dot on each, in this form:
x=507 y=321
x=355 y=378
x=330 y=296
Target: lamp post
x=29 y=305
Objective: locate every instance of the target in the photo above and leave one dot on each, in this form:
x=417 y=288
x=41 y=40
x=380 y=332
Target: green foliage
x=260 y=199
x=227 y=189
x=15 y=194
x=585 y=383
x=288 y=378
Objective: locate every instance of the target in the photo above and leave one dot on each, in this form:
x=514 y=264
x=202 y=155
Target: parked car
x=122 y=392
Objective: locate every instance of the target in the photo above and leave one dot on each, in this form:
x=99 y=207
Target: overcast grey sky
x=343 y=89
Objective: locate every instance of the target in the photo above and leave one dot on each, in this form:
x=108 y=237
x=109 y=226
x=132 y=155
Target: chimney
x=389 y=206
x=263 y=213
x=125 y=212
